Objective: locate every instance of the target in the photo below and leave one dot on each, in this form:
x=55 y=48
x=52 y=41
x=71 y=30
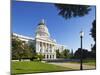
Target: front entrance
x=49 y=56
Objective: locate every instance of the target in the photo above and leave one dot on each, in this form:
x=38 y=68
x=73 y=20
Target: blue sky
x=27 y=15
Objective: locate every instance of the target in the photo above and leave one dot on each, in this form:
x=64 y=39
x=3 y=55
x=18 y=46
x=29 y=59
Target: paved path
x=75 y=66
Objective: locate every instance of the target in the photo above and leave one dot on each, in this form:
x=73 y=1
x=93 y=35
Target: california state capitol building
x=43 y=42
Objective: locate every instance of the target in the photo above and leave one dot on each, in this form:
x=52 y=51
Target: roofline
x=21 y=36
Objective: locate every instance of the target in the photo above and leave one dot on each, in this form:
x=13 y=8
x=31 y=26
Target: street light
x=81 y=37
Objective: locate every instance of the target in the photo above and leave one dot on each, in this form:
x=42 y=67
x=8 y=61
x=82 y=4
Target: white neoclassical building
x=43 y=42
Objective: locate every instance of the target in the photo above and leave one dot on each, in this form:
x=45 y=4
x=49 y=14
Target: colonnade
x=47 y=49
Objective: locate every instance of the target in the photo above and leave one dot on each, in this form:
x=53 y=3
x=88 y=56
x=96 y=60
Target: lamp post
x=81 y=60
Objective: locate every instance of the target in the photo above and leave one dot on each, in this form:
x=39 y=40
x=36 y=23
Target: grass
x=24 y=67
x=91 y=62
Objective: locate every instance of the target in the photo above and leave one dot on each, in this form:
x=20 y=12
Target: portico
x=46 y=48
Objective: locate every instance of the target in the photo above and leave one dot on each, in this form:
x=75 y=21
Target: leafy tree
x=93 y=34
x=32 y=51
x=22 y=50
x=65 y=53
x=58 y=54
x=27 y=51
x=17 y=48
x=68 y=10
x=72 y=54
x=85 y=53
x=40 y=56
x=93 y=30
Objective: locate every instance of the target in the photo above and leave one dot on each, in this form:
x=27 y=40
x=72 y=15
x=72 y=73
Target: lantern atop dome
x=42 y=22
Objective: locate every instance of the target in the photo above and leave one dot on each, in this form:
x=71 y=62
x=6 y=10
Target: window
x=50 y=56
x=47 y=56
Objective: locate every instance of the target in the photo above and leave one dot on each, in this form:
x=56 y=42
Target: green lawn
x=34 y=67
x=91 y=62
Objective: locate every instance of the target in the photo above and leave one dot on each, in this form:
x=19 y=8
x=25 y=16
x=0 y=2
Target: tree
x=22 y=50
x=93 y=34
x=58 y=54
x=17 y=48
x=65 y=53
x=33 y=51
x=27 y=51
x=85 y=53
x=40 y=56
x=71 y=54
x=68 y=10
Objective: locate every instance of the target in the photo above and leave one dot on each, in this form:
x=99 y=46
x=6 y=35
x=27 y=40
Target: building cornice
x=24 y=37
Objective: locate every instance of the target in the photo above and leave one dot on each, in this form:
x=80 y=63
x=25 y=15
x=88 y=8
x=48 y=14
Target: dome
x=42 y=30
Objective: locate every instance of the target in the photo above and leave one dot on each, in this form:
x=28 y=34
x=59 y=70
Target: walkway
x=75 y=66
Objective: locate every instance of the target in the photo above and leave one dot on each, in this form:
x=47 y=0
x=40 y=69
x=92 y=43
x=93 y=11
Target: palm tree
x=68 y=10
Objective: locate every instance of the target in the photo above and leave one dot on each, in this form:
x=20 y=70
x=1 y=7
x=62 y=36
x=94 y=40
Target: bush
x=40 y=57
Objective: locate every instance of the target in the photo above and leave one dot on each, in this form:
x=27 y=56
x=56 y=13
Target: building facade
x=44 y=44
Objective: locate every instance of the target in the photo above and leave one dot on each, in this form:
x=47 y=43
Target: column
x=44 y=47
x=55 y=51
x=54 y=55
x=48 y=48
x=41 y=46
x=51 y=48
x=37 y=47
x=49 y=56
